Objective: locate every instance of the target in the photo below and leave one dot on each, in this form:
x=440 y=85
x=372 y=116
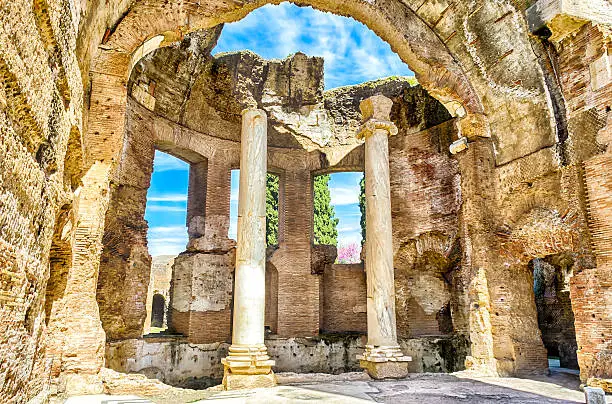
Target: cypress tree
x=271 y=209
x=325 y=222
x=362 y=208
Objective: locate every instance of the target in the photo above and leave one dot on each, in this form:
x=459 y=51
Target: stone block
x=76 y=384
x=385 y=370
x=594 y=395
x=233 y=381
x=601 y=72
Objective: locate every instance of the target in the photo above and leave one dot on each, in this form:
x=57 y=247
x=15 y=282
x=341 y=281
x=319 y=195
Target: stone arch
x=422 y=48
x=475 y=58
x=538 y=233
x=471 y=66
x=541 y=239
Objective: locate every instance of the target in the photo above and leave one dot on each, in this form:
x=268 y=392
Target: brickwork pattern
x=344 y=299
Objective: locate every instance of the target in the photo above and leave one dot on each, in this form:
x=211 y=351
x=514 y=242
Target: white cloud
x=167 y=245
x=344 y=195
x=352 y=53
x=349 y=229
x=168 y=198
x=161 y=208
x=166 y=162
x=168 y=229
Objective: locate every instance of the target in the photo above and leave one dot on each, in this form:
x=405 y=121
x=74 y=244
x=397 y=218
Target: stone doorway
x=551 y=284
x=158 y=310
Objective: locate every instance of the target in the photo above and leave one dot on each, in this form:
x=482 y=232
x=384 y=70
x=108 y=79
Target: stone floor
x=459 y=387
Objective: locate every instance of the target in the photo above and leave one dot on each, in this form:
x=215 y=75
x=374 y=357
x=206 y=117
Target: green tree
x=362 y=208
x=272 y=209
x=325 y=222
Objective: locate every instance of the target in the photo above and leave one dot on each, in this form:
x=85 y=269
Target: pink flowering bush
x=349 y=254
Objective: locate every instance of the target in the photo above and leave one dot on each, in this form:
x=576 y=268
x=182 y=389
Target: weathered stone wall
x=584 y=66
x=179 y=363
x=201 y=296
x=125 y=263
x=41 y=106
x=425 y=200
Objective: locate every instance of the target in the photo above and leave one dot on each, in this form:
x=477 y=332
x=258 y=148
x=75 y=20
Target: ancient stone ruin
x=488 y=186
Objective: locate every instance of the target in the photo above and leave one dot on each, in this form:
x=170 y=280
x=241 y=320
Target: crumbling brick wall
x=125 y=263
x=584 y=61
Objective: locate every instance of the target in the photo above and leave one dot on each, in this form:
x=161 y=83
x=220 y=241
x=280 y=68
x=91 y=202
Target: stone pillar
x=202 y=277
x=196 y=199
x=382 y=357
x=248 y=364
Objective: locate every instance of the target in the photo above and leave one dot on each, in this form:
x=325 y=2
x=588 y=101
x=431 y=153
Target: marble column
x=382 y=357
x=248 y=364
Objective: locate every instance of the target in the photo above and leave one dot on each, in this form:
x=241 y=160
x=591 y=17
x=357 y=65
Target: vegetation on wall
x=272 y=209
x=362 y=208
x=325 y=222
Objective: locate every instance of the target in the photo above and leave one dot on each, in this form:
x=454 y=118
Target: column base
x=384 y=362
x=248 y=367
x=233 y=381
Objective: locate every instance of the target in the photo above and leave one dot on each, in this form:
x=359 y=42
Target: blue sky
x=353 y=54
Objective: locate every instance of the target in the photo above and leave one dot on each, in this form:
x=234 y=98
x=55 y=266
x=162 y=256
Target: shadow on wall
x=555 y=316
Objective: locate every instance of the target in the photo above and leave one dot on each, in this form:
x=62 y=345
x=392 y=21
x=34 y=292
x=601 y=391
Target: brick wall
x=588 y=92
x=298 y=292
x=343 y=305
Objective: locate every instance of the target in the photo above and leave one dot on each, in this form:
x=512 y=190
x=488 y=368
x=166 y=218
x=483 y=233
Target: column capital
x=376 y=107
x=253 y=112
x=372 y=124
